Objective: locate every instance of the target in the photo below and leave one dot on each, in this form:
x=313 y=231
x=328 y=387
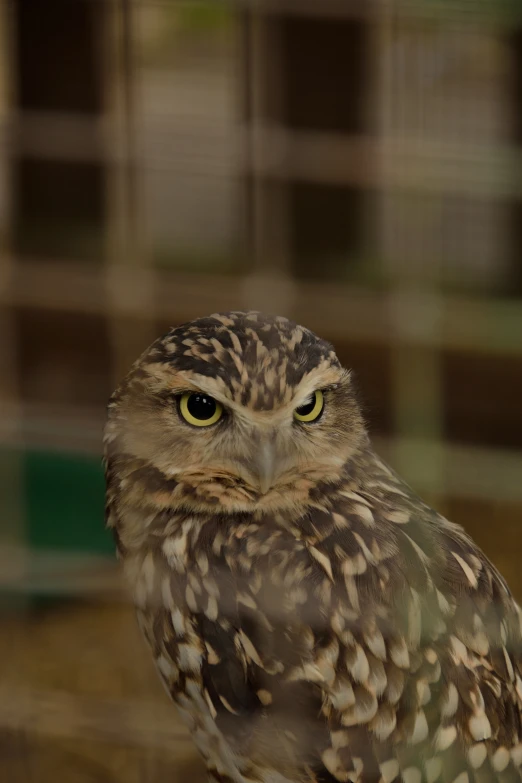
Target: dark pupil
x=201 y=407
x=307 y=408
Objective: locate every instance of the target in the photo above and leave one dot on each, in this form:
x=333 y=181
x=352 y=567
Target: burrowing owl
x=310 y=616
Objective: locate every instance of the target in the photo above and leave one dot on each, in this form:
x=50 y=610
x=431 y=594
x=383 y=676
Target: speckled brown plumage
x=329 y=626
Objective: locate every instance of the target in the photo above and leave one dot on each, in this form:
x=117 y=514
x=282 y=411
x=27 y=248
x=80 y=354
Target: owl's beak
x=265 y=465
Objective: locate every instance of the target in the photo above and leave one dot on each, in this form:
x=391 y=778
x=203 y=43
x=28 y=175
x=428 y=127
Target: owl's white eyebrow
x=195 y=386
x=310 y=388
x=301 y=398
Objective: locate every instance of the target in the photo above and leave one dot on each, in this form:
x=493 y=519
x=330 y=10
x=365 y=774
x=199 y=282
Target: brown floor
x=80 y=701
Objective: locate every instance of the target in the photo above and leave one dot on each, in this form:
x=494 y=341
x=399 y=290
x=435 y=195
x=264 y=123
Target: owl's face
x=233 y=412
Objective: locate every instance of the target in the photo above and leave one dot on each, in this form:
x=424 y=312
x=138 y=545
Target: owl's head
x=235 y=412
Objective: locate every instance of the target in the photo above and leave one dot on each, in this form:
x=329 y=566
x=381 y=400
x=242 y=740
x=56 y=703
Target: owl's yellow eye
x=199 y=409
x=312 y=408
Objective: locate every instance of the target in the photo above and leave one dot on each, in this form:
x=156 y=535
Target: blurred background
x=355 y=166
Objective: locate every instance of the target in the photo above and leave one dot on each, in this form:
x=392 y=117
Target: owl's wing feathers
x=402 y=653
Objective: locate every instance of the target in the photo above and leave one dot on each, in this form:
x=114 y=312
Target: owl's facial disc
x=247 y=457
x=239 y=411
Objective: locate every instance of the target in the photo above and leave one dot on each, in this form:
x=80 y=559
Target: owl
x=309 y=615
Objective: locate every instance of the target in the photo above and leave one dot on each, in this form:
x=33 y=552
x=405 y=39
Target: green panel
x=64 y=502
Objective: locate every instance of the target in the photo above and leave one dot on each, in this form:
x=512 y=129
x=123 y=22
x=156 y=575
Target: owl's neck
x=140 y=515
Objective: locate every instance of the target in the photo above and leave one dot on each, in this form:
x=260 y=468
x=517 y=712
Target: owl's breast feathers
x=369 y=639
